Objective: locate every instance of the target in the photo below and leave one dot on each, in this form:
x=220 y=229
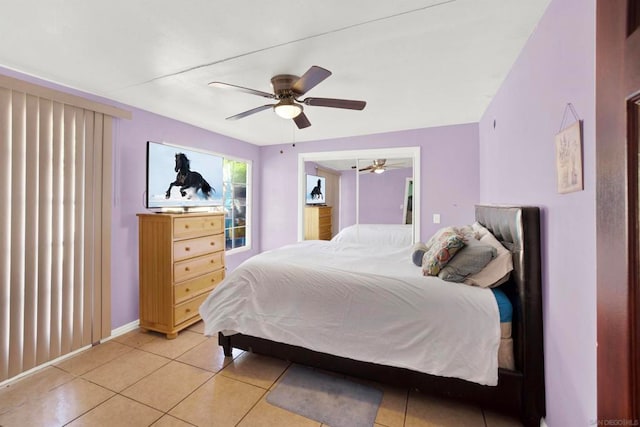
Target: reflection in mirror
x=370 y=187
x=322 y=201
x=381 y=188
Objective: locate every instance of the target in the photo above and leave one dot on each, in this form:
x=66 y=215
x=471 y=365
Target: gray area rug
x=329 y=399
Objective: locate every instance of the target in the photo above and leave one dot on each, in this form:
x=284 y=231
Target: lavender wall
x=129 y=160
x=517 y=165
x=449 y=161
x=381 y=196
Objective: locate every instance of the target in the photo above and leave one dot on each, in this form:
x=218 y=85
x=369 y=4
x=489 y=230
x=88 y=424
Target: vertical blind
x=54 y=226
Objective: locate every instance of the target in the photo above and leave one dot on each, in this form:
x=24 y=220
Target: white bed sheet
x=360 y=302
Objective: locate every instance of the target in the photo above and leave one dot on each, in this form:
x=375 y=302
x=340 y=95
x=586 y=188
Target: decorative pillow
x=469 y=260
x=497 y=271
x=417 y=252
x=440 y=252
x=468 y=232
x=438 y=234
x=479 y=229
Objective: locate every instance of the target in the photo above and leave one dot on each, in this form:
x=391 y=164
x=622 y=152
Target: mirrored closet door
x=370 y=186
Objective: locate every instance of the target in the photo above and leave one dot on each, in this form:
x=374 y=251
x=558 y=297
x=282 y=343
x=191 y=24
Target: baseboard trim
x=122 y=330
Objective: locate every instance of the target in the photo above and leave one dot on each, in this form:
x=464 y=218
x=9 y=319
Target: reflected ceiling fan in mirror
x=287 y=90
x=379 y=166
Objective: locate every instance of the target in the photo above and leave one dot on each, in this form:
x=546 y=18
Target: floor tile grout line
x=195 y=389
x=168 y=360
x=252 y=406
x=264 y=395
x=135 y=382
x=92 y=408
x=85 y=352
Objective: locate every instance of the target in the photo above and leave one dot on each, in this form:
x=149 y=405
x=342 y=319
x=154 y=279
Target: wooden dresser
x=181 y=260
x=317 y=223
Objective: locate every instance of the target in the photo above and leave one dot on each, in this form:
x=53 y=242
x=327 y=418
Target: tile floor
x=143 y=379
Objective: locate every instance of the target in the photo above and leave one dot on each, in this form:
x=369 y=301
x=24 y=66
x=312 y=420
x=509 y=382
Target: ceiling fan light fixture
x=379 y=170
x=287 y=109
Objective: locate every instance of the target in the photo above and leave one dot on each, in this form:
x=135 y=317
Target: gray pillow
x=469 y=260
x=418 y=252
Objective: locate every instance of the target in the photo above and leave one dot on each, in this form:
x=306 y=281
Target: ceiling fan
x=287 y=90
x=379 y=166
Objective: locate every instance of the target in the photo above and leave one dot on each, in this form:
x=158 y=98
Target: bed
x=324 y=326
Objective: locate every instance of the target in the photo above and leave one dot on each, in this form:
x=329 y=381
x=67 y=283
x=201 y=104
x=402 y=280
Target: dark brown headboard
x=518 y=228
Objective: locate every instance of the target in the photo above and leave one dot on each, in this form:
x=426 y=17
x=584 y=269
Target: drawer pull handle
x=187 y=248
x=188 y=310
x=186 y=269
x=212 y=261
x=186 y=226
x=212 y=243
x=187 y=290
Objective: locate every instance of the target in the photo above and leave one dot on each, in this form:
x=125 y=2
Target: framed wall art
x=569 y=158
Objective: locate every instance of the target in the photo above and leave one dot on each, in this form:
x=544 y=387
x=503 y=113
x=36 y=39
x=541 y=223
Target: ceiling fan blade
x=302 y=121
x=310 y=79
x=250 y=112
x=335 y=103
x=222 y=85
x=365 y=169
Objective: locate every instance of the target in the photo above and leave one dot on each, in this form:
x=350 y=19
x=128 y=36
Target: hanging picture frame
x=569 y=159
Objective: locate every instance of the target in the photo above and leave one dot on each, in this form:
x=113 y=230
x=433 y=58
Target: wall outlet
x=436 y=218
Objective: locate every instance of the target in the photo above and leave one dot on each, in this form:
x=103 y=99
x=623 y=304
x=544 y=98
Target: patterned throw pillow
x=441 y=251
x=445 y=231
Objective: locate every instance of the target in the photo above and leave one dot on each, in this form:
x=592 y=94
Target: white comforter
x=360 y=302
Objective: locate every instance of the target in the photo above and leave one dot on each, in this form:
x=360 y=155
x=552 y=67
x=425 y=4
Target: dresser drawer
x=190 y=248
x=194 y=267
x=324 y=212
x=188 y=310
x=197 y=226
x=186 y=290
x=324 y=233
x=324 y=221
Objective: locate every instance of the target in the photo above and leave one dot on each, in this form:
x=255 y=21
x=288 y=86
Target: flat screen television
x=315 y=190
x=182 y=178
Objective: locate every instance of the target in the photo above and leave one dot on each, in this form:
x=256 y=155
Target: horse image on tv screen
x=180 y=177
x=187 y=178
x=315 y=190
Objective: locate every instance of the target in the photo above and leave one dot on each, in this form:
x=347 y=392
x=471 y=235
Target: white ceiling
x=417 y=63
